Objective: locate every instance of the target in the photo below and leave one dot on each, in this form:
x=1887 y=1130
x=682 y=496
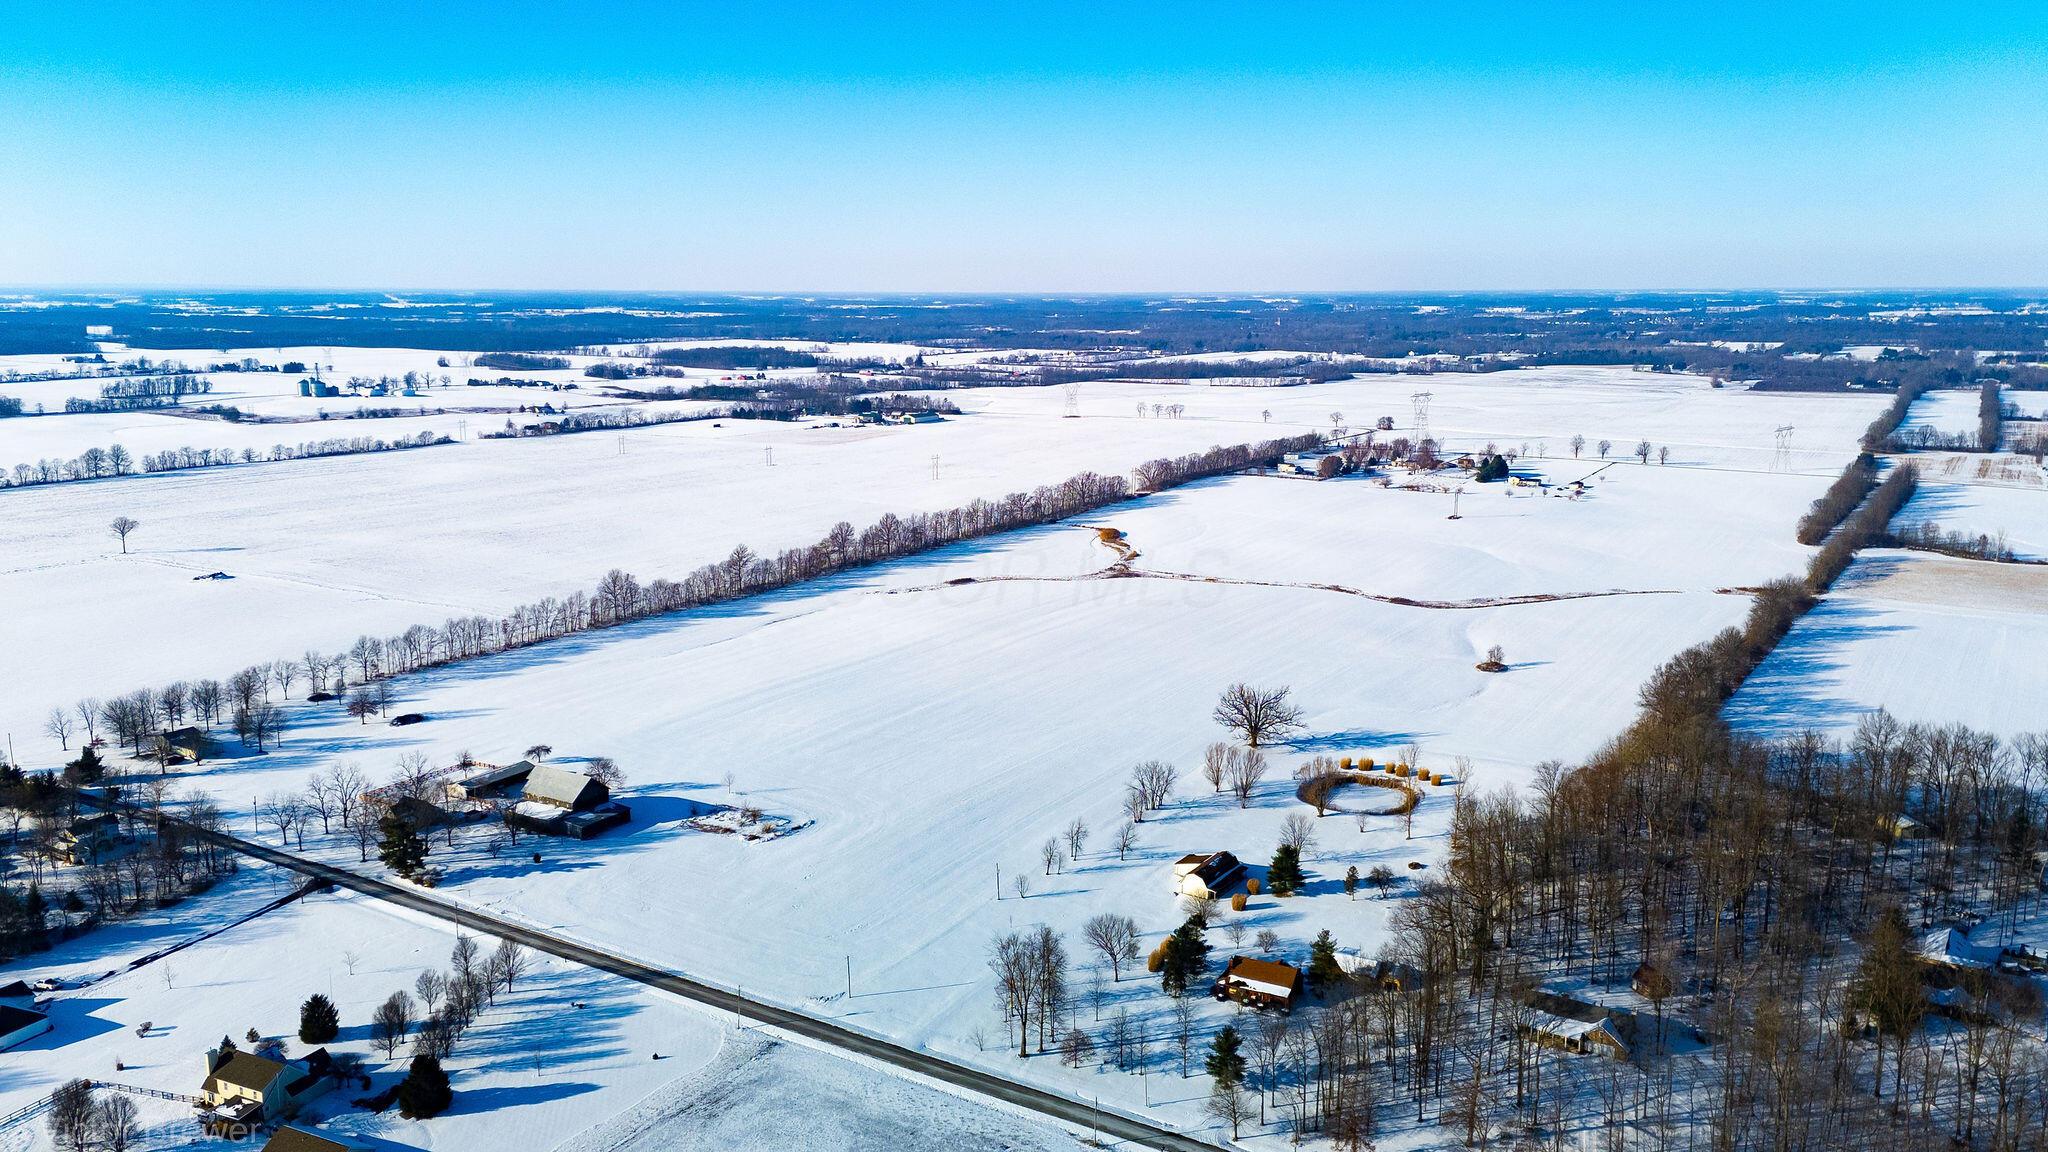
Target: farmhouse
x=1558 y=1021
x=242 y=1088
x=177 y=744
x=20 y=1025
x=1205 y=875
x=1311 y=463
x=1259 y=983
x=490 y=782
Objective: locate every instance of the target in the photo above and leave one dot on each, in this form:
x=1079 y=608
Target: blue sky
x=1042 y=147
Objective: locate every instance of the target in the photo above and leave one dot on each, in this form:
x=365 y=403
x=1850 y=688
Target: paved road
x=1063 y=1108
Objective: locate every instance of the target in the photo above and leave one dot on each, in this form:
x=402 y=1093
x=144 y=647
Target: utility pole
x=849 y=976
x=999 y=881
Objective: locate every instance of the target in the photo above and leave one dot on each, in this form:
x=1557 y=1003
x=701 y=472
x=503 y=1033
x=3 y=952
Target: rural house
x=1558 y=1021
x=90 y=839
x=1951 y=948
x=1259 y=983
x=242 y=1088
x=1205 y=875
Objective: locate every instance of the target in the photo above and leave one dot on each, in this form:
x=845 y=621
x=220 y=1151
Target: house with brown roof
x=1559 y=1021
x=1206 y=875
x=1259 y=983
x=244 y=1089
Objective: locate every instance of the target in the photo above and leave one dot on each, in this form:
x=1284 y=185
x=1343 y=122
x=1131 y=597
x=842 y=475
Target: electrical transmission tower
x=1073 y=399
x=1782 y=462
x=769 y=452
x=1421 y=402
x=935 y=465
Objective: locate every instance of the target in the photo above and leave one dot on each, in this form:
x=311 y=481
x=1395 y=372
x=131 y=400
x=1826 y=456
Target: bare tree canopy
x=1257 y=715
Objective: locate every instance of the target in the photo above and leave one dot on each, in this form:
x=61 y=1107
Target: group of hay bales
x=1358 y=771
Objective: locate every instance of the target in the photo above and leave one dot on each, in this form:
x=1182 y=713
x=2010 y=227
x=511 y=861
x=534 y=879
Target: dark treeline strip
x=1990 y=416
x=519 y=361
x=1839 y=500
x=1870 y=525
x=9 y=406
x=115 y=461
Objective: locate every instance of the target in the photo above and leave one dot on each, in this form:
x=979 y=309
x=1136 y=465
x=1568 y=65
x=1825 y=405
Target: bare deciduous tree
x=1215 y=762
x=1248 y=766
x=122 y=527
x=1257 y=715
x=1115 y=937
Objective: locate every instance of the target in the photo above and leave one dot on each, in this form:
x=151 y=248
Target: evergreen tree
x=1322 y=961
x=402 y=850
x=87 y=769
x=1226 y=1064
x=1351 y=881
x=319 y=1020
x=35 y=911
x=1186 y=953
x=1283 y=876
x=424 y=1092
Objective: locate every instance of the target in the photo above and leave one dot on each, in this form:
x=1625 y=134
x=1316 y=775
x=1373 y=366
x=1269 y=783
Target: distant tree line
x=1928 y=536
x=115 y=460
x=520 y=361
x=141 y=392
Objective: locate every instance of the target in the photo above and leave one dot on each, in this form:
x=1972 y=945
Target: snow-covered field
x=930 y=723
x=2019 y=515
x=566 y=1059
x=1929 y=638
x=324 y=550
x=1950 y=411
x=932 y=732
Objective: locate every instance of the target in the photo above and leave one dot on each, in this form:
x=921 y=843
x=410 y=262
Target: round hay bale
x=1237 y=900
x=1252 y=885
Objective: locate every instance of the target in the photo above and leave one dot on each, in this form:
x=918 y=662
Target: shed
x=547 y=784
x=20 y=1025
x=490 y=782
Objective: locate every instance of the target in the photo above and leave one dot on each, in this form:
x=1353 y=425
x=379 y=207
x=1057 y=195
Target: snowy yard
x=566 y=1059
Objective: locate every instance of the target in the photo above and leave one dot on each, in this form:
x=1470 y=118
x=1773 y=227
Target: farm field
x=565 y=1059
x=1998 y=509
x=324 y=550
x=1893 y=618
x=1948 y=411
x=913 y=780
